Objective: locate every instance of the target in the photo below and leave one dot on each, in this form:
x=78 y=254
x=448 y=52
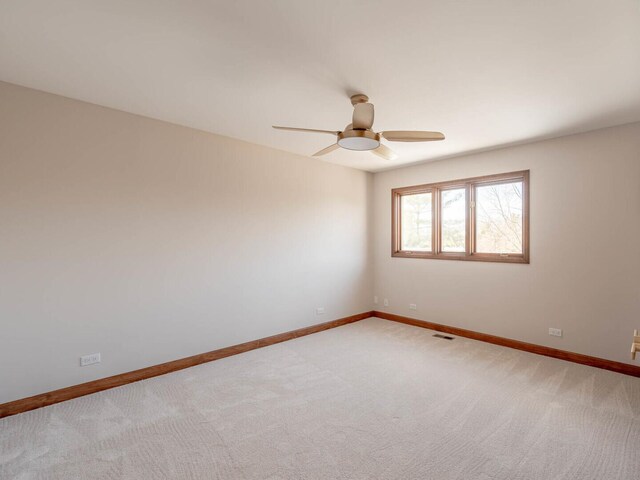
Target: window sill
x=475 y=257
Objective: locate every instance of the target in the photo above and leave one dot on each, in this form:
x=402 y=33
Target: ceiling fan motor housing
x=359 y=140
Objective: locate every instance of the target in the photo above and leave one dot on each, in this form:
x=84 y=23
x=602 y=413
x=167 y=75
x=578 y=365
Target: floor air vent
x=446 y=337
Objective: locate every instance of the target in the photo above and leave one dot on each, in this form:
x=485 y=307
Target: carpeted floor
x=370 y=400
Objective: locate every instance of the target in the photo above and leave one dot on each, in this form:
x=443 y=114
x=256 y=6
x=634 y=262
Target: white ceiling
x=485 y=72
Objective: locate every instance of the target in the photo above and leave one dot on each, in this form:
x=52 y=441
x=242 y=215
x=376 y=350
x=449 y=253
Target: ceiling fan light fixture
x=359 y=134
x=360 y=140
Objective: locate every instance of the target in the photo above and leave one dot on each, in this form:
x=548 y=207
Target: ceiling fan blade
x=312 y=130
x=329 y=149
x=412 y=136
x=385 y=152
x=363 y=116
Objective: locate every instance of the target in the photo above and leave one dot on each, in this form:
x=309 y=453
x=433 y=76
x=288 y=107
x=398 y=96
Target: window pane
x=453 y=220
x=499 y=218
x=416 y=225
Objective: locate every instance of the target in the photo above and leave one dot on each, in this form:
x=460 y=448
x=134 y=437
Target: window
x=482 y=219
x=417 y=222
x=453 y=219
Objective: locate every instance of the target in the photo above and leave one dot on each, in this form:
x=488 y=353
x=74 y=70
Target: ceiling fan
x=359 y=136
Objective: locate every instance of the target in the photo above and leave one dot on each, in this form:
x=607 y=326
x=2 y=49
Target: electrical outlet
x=89 y=359
x=556 y=332
x=386 y=302
x=375 y=299
x=320 y=311
x=413 y=306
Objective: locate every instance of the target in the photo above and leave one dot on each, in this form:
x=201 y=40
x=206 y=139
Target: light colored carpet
x=370 y=400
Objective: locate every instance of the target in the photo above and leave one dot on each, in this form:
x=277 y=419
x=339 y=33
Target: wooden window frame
x=470 y=185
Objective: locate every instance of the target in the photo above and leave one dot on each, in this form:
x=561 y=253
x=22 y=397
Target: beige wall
x=584 y=275
x=148 y=242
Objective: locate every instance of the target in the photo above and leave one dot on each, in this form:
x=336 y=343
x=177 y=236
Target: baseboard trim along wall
x=618 y=367
x=68 y=393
